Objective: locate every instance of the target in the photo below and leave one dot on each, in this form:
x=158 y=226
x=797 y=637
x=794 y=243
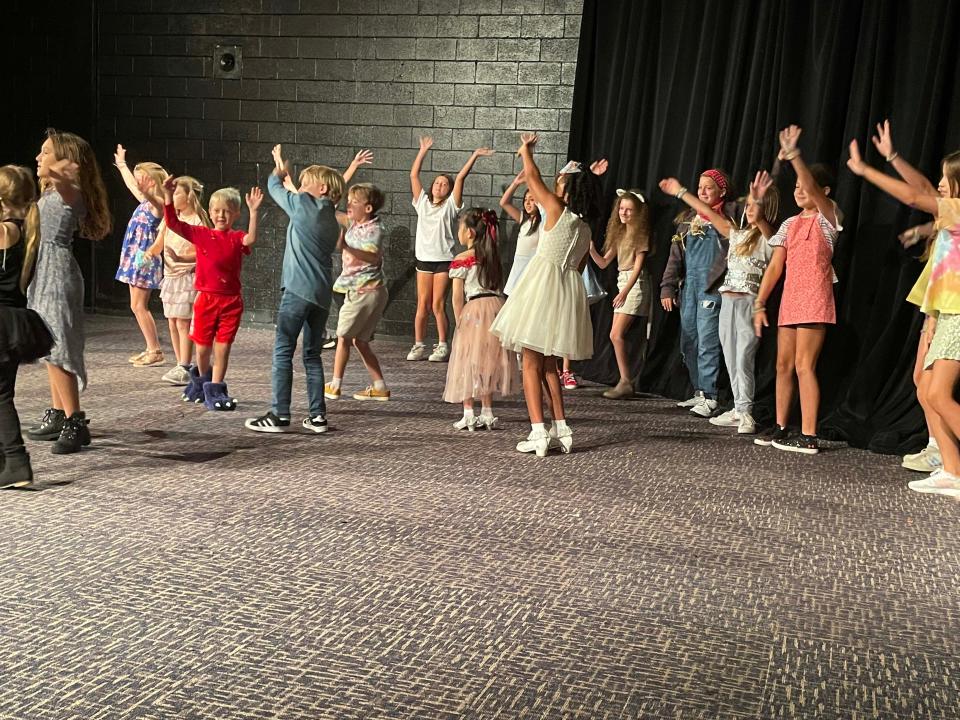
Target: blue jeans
x=293 y=315
x=700 y=338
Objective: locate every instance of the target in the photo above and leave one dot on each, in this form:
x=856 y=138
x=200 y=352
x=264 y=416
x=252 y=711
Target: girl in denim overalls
x=695 y=268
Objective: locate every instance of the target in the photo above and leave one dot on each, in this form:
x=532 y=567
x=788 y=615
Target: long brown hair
x=18 y=193
x=627 y=235
x=951 y=171
x=769 y=207
x=483 y=223
x=96 y=222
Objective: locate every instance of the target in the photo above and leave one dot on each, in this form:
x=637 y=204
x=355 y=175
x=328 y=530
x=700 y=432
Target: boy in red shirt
x=219 y=304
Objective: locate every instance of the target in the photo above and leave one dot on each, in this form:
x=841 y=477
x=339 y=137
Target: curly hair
x=582 y=195
x=483 y=223
x=627 y=235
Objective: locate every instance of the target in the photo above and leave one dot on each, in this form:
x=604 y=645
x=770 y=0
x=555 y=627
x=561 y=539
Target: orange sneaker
x=371 y=393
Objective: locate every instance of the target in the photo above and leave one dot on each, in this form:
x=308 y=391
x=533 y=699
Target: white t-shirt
x=436 y=228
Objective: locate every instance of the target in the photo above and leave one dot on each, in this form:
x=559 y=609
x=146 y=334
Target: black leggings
x=11 y=442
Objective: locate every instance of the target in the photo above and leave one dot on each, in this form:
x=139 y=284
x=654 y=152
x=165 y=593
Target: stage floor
x=183 y=567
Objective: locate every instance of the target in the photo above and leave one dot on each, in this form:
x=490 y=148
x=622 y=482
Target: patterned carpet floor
x=183 y=567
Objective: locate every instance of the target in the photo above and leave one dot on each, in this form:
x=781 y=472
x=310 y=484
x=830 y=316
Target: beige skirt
x=178 y=293
x=638 y=299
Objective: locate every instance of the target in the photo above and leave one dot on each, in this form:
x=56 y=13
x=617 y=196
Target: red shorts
x=215 y=317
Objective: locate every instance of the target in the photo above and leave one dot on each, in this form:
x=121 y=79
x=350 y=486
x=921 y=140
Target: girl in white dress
x=529 y=219
x=546 y=317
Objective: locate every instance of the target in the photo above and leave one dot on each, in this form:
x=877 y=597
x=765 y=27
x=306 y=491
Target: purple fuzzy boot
x=193 y=392
x=216 y=398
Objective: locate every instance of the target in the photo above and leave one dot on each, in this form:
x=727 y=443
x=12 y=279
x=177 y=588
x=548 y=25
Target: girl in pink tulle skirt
x=479 y=365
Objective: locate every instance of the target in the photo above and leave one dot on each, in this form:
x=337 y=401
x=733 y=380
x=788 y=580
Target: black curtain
x=672 y=87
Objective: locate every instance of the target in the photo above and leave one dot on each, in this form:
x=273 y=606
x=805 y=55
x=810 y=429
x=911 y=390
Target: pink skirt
x=478 y=363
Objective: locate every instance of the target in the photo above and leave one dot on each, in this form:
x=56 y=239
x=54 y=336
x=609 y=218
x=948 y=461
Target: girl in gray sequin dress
x=73 y=199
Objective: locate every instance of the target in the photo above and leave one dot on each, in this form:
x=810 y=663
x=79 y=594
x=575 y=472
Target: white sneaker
x=938 y=483
x=927 y=460
x=441 y=351
x=417 y=352
x=177 y=375
x=691 y=402
x=466 y=423
x=747 y=426
x=728 y=419
x=704 y=407
x=537 y=441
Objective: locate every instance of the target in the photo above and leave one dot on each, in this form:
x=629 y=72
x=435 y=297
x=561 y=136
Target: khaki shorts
x=360 y=313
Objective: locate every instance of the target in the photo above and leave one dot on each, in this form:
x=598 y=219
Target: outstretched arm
x=464 y=171
x=364 y=157
x=544 y=197
x=506 y=202
x=254 y=198
x=416 y=187
x=789 y=137
x=883 y=141
x=902 y=191
x=672 y=186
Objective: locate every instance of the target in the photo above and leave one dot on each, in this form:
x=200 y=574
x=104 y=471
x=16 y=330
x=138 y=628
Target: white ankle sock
x=932 y=442
x=468 y=412
x=486 y=412
x=335 y=383
x=379 y=385
x=538 y=427
x=560 y=425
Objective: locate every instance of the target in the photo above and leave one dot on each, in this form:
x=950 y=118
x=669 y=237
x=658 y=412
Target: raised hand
x=169 y=185
x=671 y=186
x=254 y=198
x=277 y=154
x=484 y=152
x=519 y=179
x=65 y=170
x=789 y=137
x=364 y=157
x=911 y=236
x=120 y=155
x=426 y=142
x=599 y=167
x=855 y=163
x=883 y=140
x=761 y=183
x=528 y=140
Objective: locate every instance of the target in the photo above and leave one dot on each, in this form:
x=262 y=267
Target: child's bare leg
x=55 y=399
x=949 y=452
x=341 y=358
x=139 y=298
x=221 y=356
x=532 y=379
x=786 y=359
x=809 y=344
x=486 y=403
x=618 y=333
x=203 y=359
x=186 y=344
x=370 y=360
x=424 y=303
x=65 y=388
x=441 y=282
x=556 y=389
x=174 y=329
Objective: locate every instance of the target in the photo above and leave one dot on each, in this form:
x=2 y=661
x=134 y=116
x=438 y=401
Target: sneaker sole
x=749 y=431
x=318 y=431
x=720 y=423
x=917 y=467
x=364 y=398
x=438 y=359
x=788 y=448
x=39 y=437
x=762 y=443
x=271 y=429
x=331 y=397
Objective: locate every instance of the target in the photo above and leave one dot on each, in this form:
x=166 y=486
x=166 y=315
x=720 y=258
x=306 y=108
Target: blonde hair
x=369 y=193
x=18 y=194
x=627 y=235
x=153 y=171
x=194 y=190
x=769 y=207
x=228 y=195
x=327 y=176
x=96 y=223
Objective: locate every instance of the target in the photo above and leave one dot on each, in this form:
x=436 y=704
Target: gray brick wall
x=326 y=78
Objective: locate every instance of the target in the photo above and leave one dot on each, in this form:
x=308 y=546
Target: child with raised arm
x=547 y=317
x=141 y=272
x=306 y=285
x=527 y=216
x=694 y=270
x=219 y=304
x=803 y=247
x=628 y=243
x=23 y=335
x=480 y=368
x=938 y=293
x=747 y=258
x=178 y=291
x=72 y=198
x=437 y=212
x=364 y=291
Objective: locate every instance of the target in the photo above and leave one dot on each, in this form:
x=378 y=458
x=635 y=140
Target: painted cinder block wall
x=325 y=78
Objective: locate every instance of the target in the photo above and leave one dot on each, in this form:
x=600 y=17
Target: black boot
x=16 y=471
x=49 y=427
x=74 y=435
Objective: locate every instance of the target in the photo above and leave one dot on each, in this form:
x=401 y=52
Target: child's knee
x=438 y=305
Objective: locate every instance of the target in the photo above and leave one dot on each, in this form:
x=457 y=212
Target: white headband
x=571 y=168
x=638 y=196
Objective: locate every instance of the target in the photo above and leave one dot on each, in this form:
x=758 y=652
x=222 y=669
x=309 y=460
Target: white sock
x=441 y=344
x=932 y=443
x=486 y=412
x=379 y=385
x=335 y=383
x=468 y=412
x=538 y=428
x=560 y=425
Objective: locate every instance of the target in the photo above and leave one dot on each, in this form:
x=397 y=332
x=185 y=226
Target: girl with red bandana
x=695 y=269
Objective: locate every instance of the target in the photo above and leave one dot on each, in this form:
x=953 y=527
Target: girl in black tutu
x=23 y=335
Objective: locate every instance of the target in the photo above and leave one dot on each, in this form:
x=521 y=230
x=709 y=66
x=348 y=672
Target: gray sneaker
x=177 y=375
